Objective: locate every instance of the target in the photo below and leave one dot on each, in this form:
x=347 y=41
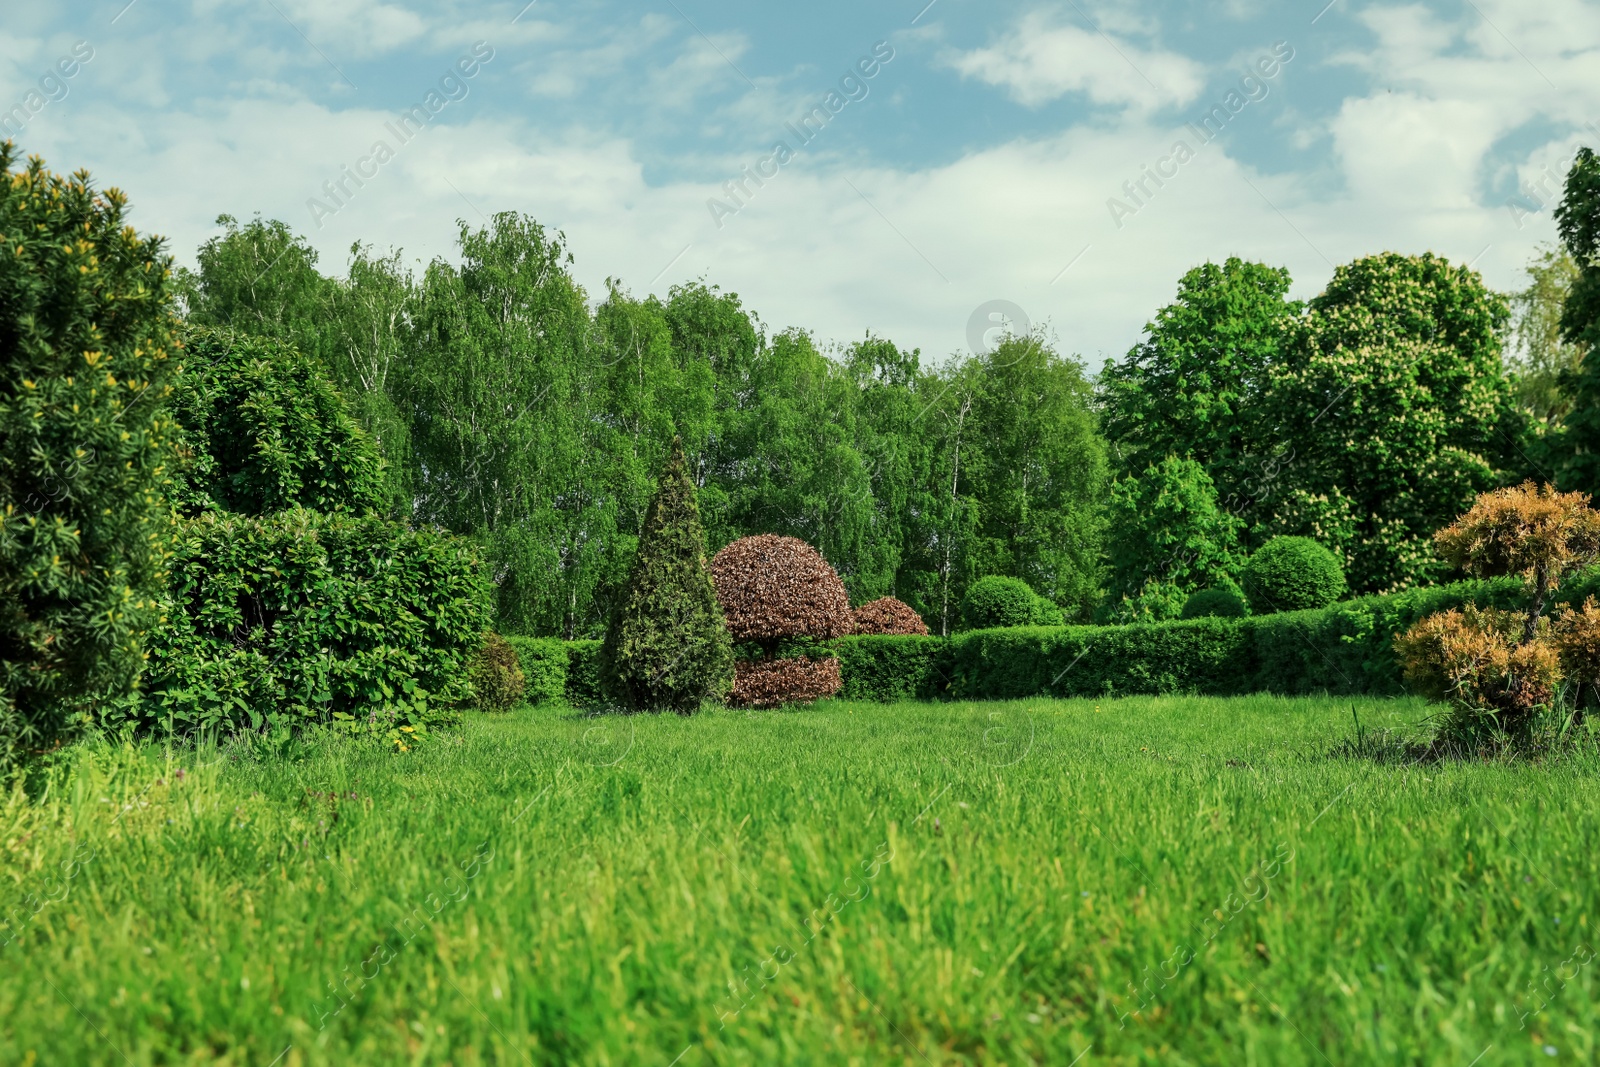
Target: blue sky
x=986 y=160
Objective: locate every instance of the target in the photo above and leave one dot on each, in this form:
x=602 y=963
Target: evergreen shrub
x=87 y=346
x=998 y=601
x=1214 y=603
x=667 y=647
x=1292 y=574
x=498 y=683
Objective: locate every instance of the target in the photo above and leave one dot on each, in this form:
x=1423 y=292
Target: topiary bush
x=543 y=662
x=1214 y=604
x=86 y=448
x=497 y=680
x=1047 y=612
x=300 y=618
x=266 y=430
x=998 y=601
x=1292 y=574
x=772 y=683
x=886 y=615
x=667 y=647
x=775 y=589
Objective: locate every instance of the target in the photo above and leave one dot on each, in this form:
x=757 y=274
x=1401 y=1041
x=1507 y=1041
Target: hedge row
x=1346 y=648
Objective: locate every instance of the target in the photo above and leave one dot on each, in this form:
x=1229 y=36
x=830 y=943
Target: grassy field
x=1174 y=881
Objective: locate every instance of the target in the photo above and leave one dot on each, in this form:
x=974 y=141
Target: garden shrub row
x=302 y=617
x=1346 y=648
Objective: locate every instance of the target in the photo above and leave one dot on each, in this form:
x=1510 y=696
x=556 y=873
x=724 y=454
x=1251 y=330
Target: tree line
x=512 y=408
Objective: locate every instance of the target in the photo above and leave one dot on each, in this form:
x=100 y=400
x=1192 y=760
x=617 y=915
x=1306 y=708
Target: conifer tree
x=667 y=646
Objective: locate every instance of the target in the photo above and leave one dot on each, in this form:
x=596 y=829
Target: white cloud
x=1039 y=62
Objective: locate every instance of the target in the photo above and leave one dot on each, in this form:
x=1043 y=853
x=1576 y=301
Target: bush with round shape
x=498 y=683
x=998 y=601
x=87 y=348
x=1214 y=603
x=1047 y=612
x=773 y=587
x=667 y=646
x=772 y=683
x=1292 y=574
x=887 y=615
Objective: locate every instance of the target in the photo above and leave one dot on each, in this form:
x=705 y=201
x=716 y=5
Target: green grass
x=907 y=884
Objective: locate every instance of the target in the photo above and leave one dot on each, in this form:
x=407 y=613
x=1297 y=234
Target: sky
x=922 y=172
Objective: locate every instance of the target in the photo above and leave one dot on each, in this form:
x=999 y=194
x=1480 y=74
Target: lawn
x=1150 y=880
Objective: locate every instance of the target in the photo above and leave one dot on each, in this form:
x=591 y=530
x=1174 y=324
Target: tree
x=1031 y=465
x=1168 y=538
x=1541 y=359
x=1578 y=222
x=87 y=340
x=261 y=279
x=1195 y=385
x=502 y=422
x=667 y=646
x=1394 y=413
x=265 y=431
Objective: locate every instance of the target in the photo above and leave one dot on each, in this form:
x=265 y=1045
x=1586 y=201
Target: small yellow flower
x=408 y=729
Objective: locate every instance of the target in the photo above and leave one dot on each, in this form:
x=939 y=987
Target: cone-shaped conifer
x=667 y=647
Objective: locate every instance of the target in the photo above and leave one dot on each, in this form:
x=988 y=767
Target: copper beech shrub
x=771 y=683
x=1494 y=666
x=774 y=588
x=886 y=615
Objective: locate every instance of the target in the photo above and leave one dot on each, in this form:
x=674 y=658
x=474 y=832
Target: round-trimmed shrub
x=1292 y=574
x=1214 y=603
x=1047 y=612
x=998 y=601
x=497 y=678
x=773 y=587
x=886 y=615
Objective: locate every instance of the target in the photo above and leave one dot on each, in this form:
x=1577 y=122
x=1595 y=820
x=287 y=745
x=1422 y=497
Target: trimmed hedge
x=1345 y=648
x=893 y=667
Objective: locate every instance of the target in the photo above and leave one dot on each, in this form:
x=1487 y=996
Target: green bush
x=1292 y=574
x=300 y=618
x=497 y=680
x=1214 y=603
x=998 y=601
x=583 y=672
x=544 y=667
x=1047 y=612
x=85 y=450
x=667 y=646
x=267 y=431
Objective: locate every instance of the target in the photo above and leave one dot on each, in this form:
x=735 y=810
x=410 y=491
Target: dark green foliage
x=1214 y=603
x=1292 y=574
x=998 y=601
x=498 y=683
x=583 y=672
x=267 y=431
x=302 y=618
x=1578 y=220
x=86 y=345
x=880 y=667
x=667 y=647
x=1168 y=538
x=544 y=667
